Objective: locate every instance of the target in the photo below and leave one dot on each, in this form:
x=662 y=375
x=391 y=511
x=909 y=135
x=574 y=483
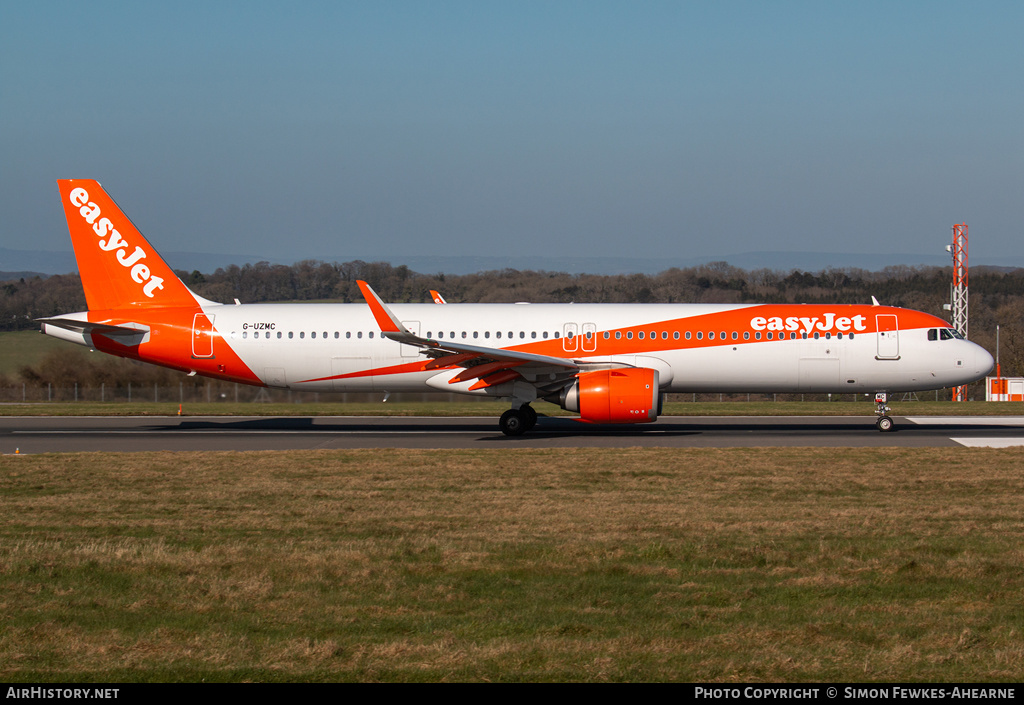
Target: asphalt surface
x=26 y=435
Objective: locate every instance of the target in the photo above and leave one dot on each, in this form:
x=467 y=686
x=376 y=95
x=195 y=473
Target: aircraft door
x=888 y=337
x=570 y=337
x=202 y=336
x=589 y=342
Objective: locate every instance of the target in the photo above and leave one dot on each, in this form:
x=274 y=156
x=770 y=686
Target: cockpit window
x=944 y=334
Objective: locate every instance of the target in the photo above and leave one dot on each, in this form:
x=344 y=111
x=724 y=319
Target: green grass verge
x=593 y=565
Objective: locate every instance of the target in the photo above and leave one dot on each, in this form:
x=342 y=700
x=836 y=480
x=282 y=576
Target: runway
x=28 y=435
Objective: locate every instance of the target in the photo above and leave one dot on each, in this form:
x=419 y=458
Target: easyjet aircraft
x=611 y=363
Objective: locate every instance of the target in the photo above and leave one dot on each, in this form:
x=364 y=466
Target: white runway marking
x=989 y=442
x=1010 y=442
x=968 y=420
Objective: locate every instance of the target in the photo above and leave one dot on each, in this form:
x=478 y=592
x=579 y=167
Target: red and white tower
x=959 y=297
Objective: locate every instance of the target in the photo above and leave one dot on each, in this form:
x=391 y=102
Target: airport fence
x=214 y=391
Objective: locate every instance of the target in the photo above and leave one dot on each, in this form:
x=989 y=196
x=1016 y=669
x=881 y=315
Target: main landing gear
x=516 y=422
x=884 y=422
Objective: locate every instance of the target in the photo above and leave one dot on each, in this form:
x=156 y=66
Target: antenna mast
x=959 y=250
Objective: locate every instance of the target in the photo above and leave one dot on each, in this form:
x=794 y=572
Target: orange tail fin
x=119 y=268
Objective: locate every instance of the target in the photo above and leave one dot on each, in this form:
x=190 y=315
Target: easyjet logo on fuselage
x=111 y=241
x=825 y=323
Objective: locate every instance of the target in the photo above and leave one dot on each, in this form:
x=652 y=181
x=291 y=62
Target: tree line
x=996 y=295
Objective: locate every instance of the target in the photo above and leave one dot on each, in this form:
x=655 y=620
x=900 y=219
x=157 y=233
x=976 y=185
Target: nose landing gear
x=884 y=422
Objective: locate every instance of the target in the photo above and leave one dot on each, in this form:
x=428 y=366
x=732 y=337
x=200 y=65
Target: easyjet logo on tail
x=110 y=240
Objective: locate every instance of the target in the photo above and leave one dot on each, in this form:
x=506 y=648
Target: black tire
x=513 y=423
x=884 y=423
x=531 y=416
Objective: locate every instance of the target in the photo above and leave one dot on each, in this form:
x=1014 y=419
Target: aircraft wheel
x=531 y=416
x=884 y=423
x=513 y=423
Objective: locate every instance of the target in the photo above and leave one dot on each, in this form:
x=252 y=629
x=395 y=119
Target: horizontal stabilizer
x=88 y=327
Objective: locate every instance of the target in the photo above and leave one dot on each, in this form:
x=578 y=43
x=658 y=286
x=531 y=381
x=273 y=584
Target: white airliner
x=611 y=363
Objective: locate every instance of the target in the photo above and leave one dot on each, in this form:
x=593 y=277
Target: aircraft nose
x=983 y=361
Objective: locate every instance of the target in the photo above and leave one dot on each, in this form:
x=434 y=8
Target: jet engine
x=622 y=395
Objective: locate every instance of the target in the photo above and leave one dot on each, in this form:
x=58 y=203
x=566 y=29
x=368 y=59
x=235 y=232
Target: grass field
x=21 y=348
x=593 y=565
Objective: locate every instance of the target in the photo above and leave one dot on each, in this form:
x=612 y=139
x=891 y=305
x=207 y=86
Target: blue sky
x=644 y=129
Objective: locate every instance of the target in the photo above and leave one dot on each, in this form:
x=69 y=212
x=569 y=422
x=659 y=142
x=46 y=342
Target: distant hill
x=14 y=276
x=34 y=261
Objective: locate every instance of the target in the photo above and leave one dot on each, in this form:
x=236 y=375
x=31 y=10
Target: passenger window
x=498 y=334
x=768 y=336
x=244 y=335
x=359 y=335
x=629 y=335
x=606 y=335
x=371 y=334
x=313 y=335
x=746 y=335
x=757 y=335
x=640 y=335
x=687 y=335
x=302 y=334
x=618 y=335
x=700 y=335
x=711 y=335
x=735 y=335
x=675 y=335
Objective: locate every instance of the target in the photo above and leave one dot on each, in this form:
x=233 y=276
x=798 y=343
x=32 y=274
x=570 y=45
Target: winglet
x=438 y=299
x=387 y=321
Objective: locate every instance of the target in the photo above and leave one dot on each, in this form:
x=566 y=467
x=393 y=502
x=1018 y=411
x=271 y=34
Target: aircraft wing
x=489 y=365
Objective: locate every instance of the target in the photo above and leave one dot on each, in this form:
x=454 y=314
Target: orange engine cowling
x=625 y=395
